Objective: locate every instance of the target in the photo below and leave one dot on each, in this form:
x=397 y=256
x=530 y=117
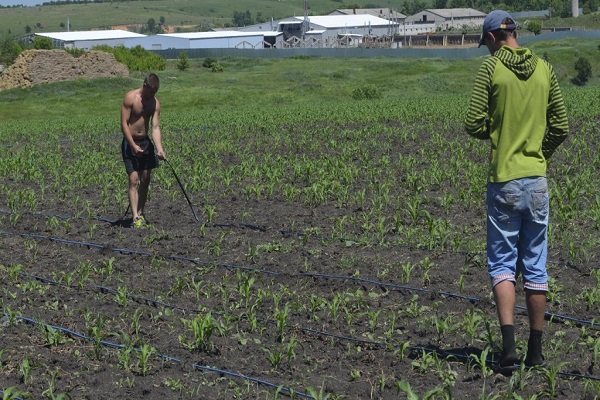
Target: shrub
x=535 y=26
x=366 y=92
x=208 y=62
x=9 y=50
x=136 y=59
x=183 y=61
x=584 y=71
x=42 y=43
x=212 y=64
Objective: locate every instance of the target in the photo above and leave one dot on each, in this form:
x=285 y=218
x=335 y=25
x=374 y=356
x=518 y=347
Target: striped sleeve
x=556 y=118
x=477 y=119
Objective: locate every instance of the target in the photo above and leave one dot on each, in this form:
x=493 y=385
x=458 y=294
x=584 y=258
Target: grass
x=297 y=82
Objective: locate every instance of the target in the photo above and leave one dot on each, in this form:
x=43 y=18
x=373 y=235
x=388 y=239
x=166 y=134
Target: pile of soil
x=33 y=67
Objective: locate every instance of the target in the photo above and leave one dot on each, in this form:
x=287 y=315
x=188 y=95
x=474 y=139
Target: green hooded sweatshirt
x=517 y=104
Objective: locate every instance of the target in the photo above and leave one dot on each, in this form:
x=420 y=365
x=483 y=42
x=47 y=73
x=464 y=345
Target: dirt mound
x=42 y=66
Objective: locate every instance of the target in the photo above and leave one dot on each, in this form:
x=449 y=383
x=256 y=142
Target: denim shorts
x=517 y=231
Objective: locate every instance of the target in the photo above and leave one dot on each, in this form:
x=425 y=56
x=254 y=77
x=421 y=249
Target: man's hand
x=161 y=155
x=137 y=150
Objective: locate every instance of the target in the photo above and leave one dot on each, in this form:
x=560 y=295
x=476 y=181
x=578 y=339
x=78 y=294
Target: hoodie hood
x=521 y=61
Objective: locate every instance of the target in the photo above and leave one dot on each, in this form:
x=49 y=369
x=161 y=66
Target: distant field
x=203 y=13
x=190 y=13
x=294 y=82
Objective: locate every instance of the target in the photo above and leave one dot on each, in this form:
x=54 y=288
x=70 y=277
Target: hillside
x=186 y=15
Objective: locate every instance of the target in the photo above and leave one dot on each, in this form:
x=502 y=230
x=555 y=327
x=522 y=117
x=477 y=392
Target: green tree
x=590 y=6
x=535 y=26
x=440 y=3
x=242 y=18
x=584 y=71
x=9 y=50
x=412 y=7
x=458 y=3
x=151 y=25
x=183 y=62
x=42 y=43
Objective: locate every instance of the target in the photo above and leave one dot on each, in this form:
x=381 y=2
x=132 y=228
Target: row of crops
x=340 y=254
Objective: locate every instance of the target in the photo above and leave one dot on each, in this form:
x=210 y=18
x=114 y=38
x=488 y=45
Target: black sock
x=534 y=348
x=508 y=339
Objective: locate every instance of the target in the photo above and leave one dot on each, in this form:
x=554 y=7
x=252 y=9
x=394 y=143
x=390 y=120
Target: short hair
x=152 y=81
x=504 y=34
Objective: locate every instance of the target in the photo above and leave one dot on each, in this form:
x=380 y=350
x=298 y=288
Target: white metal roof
x=342 y=21
x=211 y=35
x=269 y=33
x=90 y=35
x=456 y=12
x=384 y=12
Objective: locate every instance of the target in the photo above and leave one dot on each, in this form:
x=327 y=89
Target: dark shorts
x=148 y=160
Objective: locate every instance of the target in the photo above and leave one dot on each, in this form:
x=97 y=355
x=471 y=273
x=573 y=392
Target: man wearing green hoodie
x=517 y=104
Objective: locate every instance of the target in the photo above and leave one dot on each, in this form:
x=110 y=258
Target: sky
x=23 y=2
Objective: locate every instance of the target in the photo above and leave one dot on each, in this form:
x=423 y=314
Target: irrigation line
x=547 y=314
x=157 y=303
x=490 y=361
x=444 y=353
x=259 y=228
x=108 y=344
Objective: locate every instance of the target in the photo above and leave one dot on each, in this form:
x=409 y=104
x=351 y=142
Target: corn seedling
x=281 y=319
x=202 y=328
x=13 y=393
x=25 y=370
x=144 y=354
x=53 y=337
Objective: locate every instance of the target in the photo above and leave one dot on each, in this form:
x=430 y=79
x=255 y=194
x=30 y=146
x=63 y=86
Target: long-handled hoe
x=182 y=189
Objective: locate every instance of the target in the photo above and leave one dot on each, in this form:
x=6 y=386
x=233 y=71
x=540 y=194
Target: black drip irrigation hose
x=279 y=388
x=157 y=303
x=548 y=315
x=259 y=228
x=417 y=349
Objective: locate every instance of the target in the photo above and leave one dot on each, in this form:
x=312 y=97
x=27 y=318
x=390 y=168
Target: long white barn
x=87 y=39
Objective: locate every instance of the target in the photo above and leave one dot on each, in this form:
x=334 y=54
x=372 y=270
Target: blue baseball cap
x=497 y=19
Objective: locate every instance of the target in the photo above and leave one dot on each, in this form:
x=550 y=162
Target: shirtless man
x=139 y=107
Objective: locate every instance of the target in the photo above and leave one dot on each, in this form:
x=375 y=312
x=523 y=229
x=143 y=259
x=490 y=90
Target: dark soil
x=292 y=305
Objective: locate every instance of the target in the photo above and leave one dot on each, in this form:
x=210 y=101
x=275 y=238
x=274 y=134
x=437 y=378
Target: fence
x=400 y=52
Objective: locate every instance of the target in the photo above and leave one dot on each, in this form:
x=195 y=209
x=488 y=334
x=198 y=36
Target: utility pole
x=575 y=8
x=305 y=24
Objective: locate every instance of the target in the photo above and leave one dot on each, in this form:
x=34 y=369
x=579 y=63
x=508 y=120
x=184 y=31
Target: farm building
x=385 y=13
x=207 y=40
x=331 y=25
x=86 y=40
x=357 y=24
x=339 y=30
x=449 y=18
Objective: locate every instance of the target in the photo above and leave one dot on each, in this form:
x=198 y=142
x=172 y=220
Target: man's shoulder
x=130 y=96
